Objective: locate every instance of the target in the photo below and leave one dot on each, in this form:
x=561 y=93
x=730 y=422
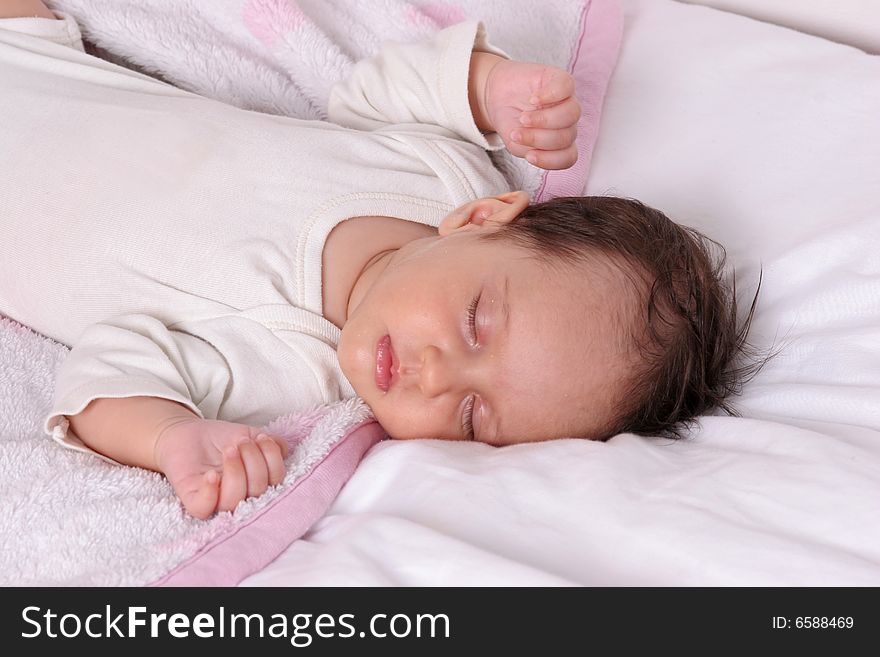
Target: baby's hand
x=534 y=109
x=213 y=465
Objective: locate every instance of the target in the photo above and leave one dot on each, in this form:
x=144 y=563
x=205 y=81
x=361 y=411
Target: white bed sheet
x=856 y=22
x=768 y=140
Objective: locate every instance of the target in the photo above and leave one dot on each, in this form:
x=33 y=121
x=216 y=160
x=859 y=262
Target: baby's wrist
x=166 y=433
x=482 y=64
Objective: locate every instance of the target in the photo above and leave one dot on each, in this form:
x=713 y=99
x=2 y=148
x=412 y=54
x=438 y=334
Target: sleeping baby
x=213 y=268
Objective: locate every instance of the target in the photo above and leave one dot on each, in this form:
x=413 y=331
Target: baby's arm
x=136 y=391
x=162 y=435
x=24 y=9
x=458 y=84
x=416 y=87
x=143 y=418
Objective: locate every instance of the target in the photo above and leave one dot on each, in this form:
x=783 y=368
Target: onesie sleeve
x=418 y=85
x=229 y=368
x=63 y=31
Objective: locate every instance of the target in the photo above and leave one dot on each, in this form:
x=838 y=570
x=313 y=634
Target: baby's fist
x=213 y=465
x=533 y=107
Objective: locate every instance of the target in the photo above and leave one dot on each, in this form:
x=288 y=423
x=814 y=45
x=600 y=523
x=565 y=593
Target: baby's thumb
x=201 y=503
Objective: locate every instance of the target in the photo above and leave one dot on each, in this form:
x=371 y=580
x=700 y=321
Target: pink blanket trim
x=232 y=557
x=591 y=66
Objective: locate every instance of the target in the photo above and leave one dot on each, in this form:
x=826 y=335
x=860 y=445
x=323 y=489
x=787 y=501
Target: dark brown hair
x=686 y=333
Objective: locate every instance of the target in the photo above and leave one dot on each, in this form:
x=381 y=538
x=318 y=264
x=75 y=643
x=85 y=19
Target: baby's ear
x=489 y=212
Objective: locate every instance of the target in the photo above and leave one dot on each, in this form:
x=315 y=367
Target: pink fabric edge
x=592 y=63
x=228 y=559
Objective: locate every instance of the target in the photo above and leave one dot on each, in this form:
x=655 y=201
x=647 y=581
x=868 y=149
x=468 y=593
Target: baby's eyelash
x=472 y=316
x=467 y=425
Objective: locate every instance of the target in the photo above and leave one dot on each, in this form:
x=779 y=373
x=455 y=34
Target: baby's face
x=542 y=358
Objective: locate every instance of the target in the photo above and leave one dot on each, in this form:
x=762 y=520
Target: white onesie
x=174 y=242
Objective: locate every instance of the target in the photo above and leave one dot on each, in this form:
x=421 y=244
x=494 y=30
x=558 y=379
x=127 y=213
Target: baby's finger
x=281 y=442
x=563 y=115
x=556 y=85
x=274 y=455
x=545 y=140
x=201 y=502
x=233 y=485
x=553 y=159
x=254 y=467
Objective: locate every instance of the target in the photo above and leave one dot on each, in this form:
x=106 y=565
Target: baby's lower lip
x=383 y=363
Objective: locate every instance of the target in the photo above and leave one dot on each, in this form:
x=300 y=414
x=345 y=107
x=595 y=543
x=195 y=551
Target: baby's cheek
x=390 y=423
x=356 y=361
x=400 y=425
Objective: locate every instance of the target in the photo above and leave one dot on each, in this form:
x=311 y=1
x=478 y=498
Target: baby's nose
x=438 y=374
